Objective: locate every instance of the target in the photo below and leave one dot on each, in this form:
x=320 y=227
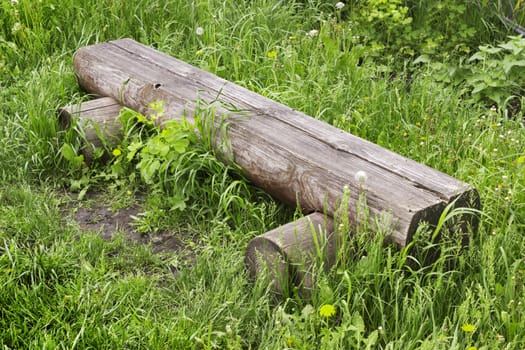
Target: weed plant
x=63 y=287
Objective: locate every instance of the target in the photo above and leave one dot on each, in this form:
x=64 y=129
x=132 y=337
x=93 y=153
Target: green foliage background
x=439 y=82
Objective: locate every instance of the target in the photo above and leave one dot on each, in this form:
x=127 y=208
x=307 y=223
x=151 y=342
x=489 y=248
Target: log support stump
x=96 y=121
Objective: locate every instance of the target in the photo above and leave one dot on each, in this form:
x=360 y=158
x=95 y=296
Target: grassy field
x=444 y=89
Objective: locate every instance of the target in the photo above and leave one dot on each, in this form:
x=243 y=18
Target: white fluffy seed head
x=313 y=33
x=340 y=5
x=361 y=177
x=199 y=31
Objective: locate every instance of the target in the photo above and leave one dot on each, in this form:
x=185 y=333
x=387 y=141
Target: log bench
x=296 y=158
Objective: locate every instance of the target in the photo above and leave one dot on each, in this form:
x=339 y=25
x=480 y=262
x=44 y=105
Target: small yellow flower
x=468 y=328
x=199 y=52
x=472 y=348
x=271 y=54
x=327 y=310
x=293 y=37
x=116 y=152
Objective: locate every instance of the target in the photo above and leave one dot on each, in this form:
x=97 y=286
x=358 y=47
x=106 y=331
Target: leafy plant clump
x=409 y=29
x=494 y=75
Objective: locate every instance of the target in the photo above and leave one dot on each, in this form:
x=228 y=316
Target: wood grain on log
x=294 y=157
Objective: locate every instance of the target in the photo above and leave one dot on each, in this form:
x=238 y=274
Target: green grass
x=62 y=287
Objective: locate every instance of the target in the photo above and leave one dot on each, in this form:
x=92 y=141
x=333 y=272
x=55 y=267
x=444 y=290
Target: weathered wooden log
x=288 y=253
x=97 y=121
x=292 y=156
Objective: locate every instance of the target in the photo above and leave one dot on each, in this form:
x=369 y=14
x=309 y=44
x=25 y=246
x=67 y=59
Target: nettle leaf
x=509 y=63
x=516 y=45
x=478 y=56
x=490 y=49
x=496 y=95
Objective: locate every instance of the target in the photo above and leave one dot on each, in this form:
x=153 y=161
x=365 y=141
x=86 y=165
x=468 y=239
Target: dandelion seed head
x=313 y=33
x=340 y=5
x=199 y=31
x=361 y=177
x=16 y=27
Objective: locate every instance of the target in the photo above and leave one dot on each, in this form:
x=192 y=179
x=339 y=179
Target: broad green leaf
x=490 y=49
x=508 y=63
x=478 y=56
x=67 y=152
x=180 y=145
x=157 y=147
x=71 y=156
x=372 y=340
x=133 y=148
x=358 y=322
x=516 y=45
x=422 y=59
x=177 y=203
x=148 y=169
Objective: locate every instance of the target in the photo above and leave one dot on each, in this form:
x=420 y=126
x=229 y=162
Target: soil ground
x=96 y=214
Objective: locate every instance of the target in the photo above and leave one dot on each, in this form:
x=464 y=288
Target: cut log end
x=264 y=257
x=288 y=254
x=93 y=119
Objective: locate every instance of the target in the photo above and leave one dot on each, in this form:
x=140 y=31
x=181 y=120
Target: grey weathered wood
x=294 y=157
x=288 y=253
x=94 y=118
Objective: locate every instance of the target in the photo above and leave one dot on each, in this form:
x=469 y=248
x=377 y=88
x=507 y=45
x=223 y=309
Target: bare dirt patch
x=96 y=214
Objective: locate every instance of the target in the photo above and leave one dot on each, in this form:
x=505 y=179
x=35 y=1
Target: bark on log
x=92 y=120
x=288 y=253
x=292 y=156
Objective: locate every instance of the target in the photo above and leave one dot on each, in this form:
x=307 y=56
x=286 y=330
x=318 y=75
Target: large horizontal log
x=294 y=157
